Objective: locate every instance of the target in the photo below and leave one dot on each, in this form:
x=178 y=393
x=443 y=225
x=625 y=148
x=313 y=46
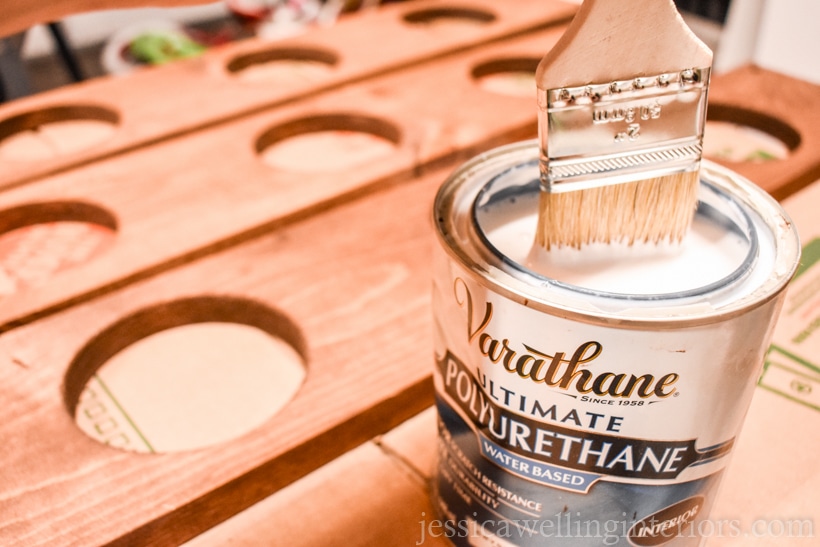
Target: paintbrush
x=622 y=108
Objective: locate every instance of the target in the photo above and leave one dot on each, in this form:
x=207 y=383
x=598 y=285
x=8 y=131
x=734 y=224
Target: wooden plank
x=368 y=497
x=376 y=495
x=167 y=102
x=208 y=190
x=366 y=329
x=414 y=442
x=782 y=106
x=363 y=499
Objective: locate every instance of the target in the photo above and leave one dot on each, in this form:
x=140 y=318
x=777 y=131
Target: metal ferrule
x=622 y=131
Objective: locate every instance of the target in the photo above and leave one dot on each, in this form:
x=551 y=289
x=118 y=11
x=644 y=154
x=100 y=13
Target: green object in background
x=761 y=155
x=156 y=48
x=809 y=257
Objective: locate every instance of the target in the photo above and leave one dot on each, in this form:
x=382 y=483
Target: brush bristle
x=648 y=211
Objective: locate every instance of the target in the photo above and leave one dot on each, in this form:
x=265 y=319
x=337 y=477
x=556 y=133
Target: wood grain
x=163 y=103
x=366 y=498
x=367 y=335
x=196 y=194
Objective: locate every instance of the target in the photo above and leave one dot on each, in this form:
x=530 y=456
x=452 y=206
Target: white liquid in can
x=708 y=254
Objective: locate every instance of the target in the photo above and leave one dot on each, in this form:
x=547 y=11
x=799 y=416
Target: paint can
x=594 y=400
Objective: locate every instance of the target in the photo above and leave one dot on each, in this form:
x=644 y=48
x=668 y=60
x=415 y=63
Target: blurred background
x=772 y=34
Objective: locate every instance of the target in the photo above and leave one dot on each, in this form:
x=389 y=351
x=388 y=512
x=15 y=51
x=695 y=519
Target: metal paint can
x=600 y=410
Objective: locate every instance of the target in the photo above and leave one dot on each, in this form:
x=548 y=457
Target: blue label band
x=542 y=473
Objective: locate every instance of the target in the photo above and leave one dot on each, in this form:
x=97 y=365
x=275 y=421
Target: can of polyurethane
x=593 y=397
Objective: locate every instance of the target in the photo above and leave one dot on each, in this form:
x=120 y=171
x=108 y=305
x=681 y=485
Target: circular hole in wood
x=55 y=132
x=448 y=16
x=327 y=143
x=39 y=240
x=284 y=66
x=513 y=76
x=739 y=135
x=186 y=374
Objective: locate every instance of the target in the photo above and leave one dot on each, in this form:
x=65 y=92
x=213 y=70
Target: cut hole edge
x=33 y=119
x=756 y=120
x=358 y=123
x=309 y=54
x=160 y=317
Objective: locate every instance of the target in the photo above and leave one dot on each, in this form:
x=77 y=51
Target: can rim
x=455 y=198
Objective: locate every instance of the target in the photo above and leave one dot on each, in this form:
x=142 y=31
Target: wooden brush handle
x=620 y=39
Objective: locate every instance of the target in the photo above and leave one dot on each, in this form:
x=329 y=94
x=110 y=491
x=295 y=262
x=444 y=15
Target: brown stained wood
x=415 y=443
x=375 y=495
x=366 y=498
x=367 y=332
x=196 y=194
x=166 y=102
x=783 y=106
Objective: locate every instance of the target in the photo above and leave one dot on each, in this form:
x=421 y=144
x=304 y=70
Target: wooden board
x=199 y=193
x=366 y=498
x=171 y=101
x=366 y=331
x=189 y=198
x=782 y=106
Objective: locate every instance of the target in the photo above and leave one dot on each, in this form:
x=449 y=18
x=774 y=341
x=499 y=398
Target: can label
x=552 y=422
x=596 y=402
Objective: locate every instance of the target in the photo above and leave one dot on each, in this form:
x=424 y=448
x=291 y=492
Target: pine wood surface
x=367 y=333
x=783 y=106
x=174 y=100
x=209 y=189
x=370 y=497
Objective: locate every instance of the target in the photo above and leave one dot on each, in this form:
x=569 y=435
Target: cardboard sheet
x=771 y=494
